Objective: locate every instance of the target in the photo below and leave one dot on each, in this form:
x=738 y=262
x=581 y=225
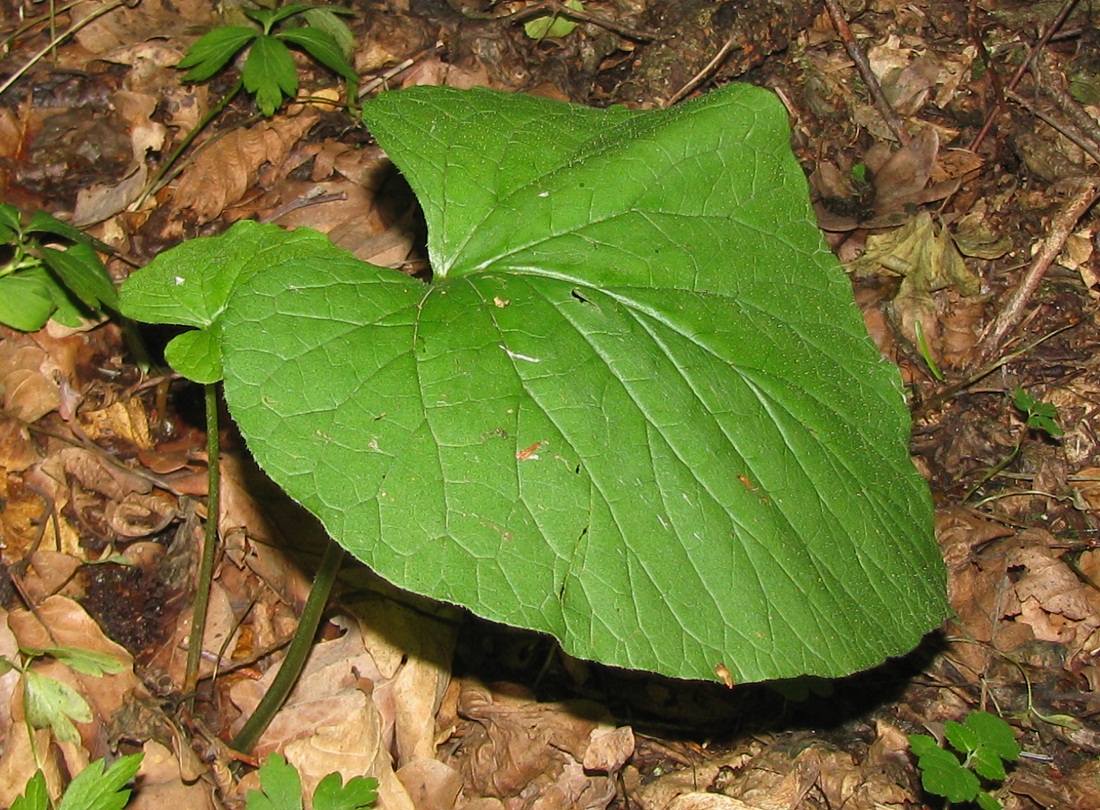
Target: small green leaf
x=214 y=50
x=360 y=792
x=322 y=47
x=35 y=796
x=327 y=19
x=27 y=299
x=10 y=224
x=988 y=765
x=553 y=25
x=6 y=666
x=995 y=734
x=87 y=662
x=987 y=801
x=82 y=273
x=963 y=738
x=94 y=789
x=269 y=74
x=45 y=224
x=281 y=787
x=268 y=18
x=52 y=704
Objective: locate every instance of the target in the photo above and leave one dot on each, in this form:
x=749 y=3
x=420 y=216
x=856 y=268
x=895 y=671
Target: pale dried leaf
x=162 y=786
x=431 y=784
x=225 y=170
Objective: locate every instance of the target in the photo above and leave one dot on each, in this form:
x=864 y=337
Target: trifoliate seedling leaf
x=636 y=407
x=213 y=51
x=941 y=771
x=359 y=793
x=52 y=704
x=269 y=74
x=994 y=734
x=961 y=738
x=34 y=796
x=281 y=786
x=96 y=789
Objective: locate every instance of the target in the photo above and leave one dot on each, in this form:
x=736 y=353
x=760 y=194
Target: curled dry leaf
x=162 y=785
x=227 y=168
x=28 y=392
x=126 y=421
x=530 y=754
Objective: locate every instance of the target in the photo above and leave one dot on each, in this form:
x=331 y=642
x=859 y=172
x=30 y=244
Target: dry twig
x=864 y=67
x=998 y=107
x=1060 y=228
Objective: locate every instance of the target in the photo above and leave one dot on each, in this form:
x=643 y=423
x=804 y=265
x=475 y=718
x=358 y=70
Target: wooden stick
x=1060 y=228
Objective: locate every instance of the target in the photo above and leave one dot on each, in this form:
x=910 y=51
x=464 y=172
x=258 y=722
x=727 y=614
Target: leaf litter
x=99 y=468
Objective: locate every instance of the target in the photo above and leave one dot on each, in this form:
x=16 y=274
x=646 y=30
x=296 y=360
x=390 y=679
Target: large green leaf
x=636 y=408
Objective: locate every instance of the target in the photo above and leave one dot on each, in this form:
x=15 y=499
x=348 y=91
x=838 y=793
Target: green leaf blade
x=281 y=786
x=995 y=734
x=27 y=299
x=94 y=789
x=82 y=273
x=54 y=705
x=270 y=74
x=322 y=47
x=212 y=51
x=641 y=415
x=360 y=792
x=34 y=796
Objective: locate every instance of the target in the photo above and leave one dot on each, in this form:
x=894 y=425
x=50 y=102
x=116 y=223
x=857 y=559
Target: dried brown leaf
x=227 y=168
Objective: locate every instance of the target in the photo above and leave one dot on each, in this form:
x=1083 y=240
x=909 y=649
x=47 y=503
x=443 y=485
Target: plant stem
x=296 y=653
x=158 y=180
x=209 y=546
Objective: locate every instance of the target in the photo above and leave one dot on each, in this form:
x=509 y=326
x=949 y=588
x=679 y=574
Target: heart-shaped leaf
x=636 y=408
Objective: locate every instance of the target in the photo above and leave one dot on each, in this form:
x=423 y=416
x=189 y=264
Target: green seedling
x=269 y=73
x=52 y=704
x=985 y=743
x=1041 y=416
x=553 y=25
x=92 y=789
x=48 y=269
x=281 y=789
x=636 y=407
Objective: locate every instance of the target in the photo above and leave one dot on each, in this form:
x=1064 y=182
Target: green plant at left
x=52 y=704
x=92 y=789
x=48 y=269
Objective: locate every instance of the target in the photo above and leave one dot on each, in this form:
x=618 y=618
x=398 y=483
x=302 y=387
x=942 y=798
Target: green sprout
x=985 y=743
x=269 y=73
x=48 y=269
x=281 y=789
x=1041 y=416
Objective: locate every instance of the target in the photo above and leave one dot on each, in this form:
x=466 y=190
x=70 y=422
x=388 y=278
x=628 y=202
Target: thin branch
x=1060 y=228
x=712 y=65
x=864 y=67
x=999 y=106
x=1064 y=127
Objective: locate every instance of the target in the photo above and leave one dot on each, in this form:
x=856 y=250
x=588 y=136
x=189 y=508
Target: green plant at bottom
x=92 y=789
x=281 y=789
x=48 y=269
x=984 y=741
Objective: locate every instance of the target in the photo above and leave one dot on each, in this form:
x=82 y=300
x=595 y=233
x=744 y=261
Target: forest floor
x=962 y=205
